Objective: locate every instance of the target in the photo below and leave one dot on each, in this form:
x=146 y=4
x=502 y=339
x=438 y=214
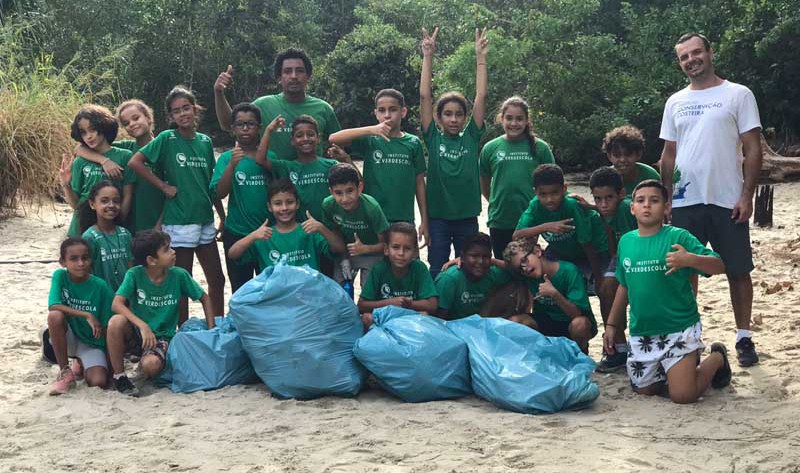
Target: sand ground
x=751 y=426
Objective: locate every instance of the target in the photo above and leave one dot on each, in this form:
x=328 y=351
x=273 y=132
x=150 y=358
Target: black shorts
x=713 y=224
x=557 y=328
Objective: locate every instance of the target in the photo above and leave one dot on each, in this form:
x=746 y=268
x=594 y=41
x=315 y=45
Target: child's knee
x=681 y=395
x=580 y=328
x=117 y=324
x=56 y=318
x=525 y=320
x=96 y=376
x=608 y=288
x=151 y=365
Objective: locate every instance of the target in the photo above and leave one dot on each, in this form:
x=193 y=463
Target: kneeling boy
x=146 y=308
x=654 y=270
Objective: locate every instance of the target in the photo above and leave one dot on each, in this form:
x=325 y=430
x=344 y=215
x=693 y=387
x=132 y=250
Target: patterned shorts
x=650 y=357
x=134 y=345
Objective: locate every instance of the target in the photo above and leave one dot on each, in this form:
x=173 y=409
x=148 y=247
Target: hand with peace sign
x=481 y=44
x=428 y=44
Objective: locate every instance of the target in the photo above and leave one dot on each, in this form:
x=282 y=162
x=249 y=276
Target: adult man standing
x=712 y=155
x=292 y=71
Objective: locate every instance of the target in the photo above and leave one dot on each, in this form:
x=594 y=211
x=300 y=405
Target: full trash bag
x=519 y=369
x=414 y=356
x=199 y=359
x=298 y=327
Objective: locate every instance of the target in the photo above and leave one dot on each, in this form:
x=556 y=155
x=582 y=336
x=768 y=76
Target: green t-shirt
x=659 y=304
x=188 y=165
x=157 y=304
x=298 y=246
x=85 y=174
x=510 y=165
x=280 y=142
x=645 y=172
x=382 y=284
x=247 y=201
x=623 y=220
x=148 y=200
x=367 y=219
x=93 y=296
x=453 y=187
x=111 y=254
x=461 y=297
x=568 y=281
x=568 y=245
x=311 y=181
x=390 y=172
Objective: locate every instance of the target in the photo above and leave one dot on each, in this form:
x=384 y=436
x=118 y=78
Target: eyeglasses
x=523 y=263
x=243 y=125
x=184 y=109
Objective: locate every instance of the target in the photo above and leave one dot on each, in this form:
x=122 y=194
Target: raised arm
x=225 y=181
x=263 y=145
x=65 y=176
x=221 y=105
x=428 y=47
x=481 y=77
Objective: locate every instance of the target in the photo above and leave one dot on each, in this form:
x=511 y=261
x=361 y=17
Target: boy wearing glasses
x=244 y=182
x=561 y=304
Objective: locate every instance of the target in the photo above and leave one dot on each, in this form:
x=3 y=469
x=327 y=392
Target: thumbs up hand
x=546 y=289
x=311 y=225
x=356 y=248
x=678 y=259
x=264 y=232
x=236 y=155
x=224 y=80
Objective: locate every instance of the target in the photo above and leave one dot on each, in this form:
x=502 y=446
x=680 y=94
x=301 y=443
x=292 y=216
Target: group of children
x=144 y=209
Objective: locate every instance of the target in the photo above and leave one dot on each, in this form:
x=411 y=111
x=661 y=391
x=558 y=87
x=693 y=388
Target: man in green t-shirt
x=146 y=308
x=560 y=301
x=292 y=71
x=655 y=267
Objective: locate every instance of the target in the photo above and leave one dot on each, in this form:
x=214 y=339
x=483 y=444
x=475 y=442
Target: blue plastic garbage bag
x=414 y=356
x=199 y=359
x=298 y=327
x=517 y=368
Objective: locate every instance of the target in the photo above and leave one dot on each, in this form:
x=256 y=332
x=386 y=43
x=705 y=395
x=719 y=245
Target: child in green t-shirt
x=624 y=147
x=358 y=218
x=146 y=308
x=186 y=158
x=94 y=127
x=615 y=220
x=79 y=308
x=238 y=176
x=394 y=162
x=656 y=264
x=400 y=279
x=142 y=202
x=561 y=304
x=453 y=185
x=109 y=241
x=301 y=244
x=465 y=287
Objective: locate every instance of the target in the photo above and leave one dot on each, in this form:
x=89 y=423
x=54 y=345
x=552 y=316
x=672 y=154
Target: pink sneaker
x=65 y=381
x=77 y=369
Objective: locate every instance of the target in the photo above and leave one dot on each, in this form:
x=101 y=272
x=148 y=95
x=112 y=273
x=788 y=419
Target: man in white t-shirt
x=712 y=156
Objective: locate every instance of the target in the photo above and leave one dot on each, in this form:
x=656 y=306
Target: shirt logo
x=464 y=297
x=386 y=290
x=102 y=252
x=274 y=256
x=241 y=177
x=141 y=295
x=626 y=262
x=338 y=219
x=293 y=177
x=377 y=155
x=64 y=294
x=442 y=148
x=181 y=158
x=87 y=170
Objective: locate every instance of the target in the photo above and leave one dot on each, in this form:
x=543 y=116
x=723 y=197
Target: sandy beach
x=751 y=426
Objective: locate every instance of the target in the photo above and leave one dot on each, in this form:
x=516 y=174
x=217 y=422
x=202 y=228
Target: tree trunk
x=777 y=168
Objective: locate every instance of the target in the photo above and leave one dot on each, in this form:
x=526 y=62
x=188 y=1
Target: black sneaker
x=611 y=363
x=48 y=354
x=722 y=377
x=746 y=352
x=124 y=385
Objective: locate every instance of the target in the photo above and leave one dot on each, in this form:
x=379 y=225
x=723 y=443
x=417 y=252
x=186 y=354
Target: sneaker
x=124 y=385
x=746 y=352
x=611 y=363
x=722 y=377
x=65 y=381
x=77 y=369
x=48 y=354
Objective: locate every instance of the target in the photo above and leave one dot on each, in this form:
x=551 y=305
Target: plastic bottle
x=347 y=273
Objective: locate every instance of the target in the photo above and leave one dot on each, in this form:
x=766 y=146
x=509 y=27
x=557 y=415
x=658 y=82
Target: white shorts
x=190 y=236
x=650 y=357
x=89 y=355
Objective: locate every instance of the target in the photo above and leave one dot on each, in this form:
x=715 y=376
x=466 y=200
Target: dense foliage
x=585 y=65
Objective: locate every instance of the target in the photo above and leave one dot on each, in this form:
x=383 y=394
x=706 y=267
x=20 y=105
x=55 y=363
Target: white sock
x=621 y=347
x=740 y=334
x=119 y=375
